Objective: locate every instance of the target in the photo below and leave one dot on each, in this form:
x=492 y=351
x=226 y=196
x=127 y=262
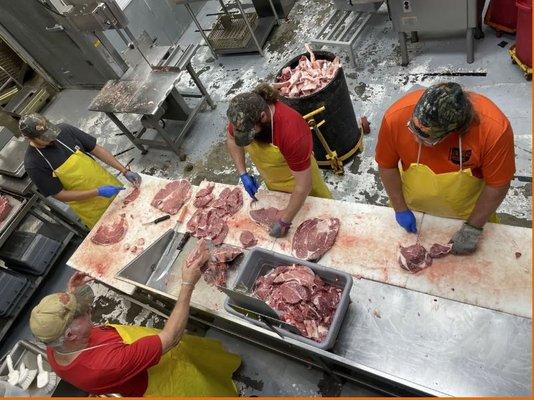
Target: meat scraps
x=215 y=271
x=247 y=239
x=265 y=216
x=108 y=234
x=229 y=202
x=314 y=237
x=309 y=76
x=132 y=196
x=301 y=298
x=205 y=223
x=172 y=197
x=204 y=196
x=439 y=250
x=5 y=207
x=415 y=258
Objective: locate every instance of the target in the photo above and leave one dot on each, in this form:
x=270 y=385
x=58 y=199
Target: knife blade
x=420 y=229
x=172 y=247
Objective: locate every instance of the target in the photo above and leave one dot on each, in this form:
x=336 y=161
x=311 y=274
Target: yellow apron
x=277 y=175
x=81 y=172
x=450 y=195
x=196 y=367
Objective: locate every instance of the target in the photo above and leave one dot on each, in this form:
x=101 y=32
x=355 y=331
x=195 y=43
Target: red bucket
x=502 y=16
x=523 y=44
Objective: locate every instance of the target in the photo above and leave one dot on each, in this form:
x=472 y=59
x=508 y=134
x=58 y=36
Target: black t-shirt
x=39 y=170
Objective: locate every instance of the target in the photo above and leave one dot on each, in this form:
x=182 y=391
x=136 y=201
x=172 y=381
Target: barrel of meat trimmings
x=306 y=93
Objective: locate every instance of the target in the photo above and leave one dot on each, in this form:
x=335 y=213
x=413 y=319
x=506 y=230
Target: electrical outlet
x=407 y=6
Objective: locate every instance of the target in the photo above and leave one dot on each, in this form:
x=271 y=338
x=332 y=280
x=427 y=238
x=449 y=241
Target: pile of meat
x=111 y=233
x=301 y=298
x=5 y=207
x=215 y=270
x=208 y=221
x=415 y=258
x=172 y=196
x=314 y=237
x=309 y=76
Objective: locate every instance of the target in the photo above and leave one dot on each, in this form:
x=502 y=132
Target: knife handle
x=161 y=219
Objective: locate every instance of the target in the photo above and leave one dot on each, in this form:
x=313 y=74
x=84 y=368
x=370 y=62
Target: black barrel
x=341 y=129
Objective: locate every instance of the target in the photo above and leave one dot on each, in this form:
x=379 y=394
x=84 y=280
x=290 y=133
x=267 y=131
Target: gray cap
x=244 y=111
x=36 y=126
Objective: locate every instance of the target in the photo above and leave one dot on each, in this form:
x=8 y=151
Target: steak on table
x=207 y=224
x=414 y=258
x=204 y=196
x=314 y=237
x=247 y=239
x=5 y=207
x=134 y=194
x=301 y=298
x=108 y=234
x=172 y=196
x=265 y=217
x=439 y=250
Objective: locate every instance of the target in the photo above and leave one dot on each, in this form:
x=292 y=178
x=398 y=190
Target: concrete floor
x=375 y=83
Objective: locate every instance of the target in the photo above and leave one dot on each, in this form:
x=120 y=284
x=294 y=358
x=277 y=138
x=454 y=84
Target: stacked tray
x=29 y=252
x=260 y=262
x=12 y=288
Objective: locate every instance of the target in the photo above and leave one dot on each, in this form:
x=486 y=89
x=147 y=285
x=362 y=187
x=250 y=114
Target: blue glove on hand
x=406 y=219
x=133 y=177
x=250 y=184
x=109 y=190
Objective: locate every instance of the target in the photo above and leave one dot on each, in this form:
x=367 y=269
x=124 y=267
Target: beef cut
x=132 y=196
x=229 y=202
x=226 y=253
x=309 y=76
x=301 y=298
x=108 y=234
x=205 y=223
x=247 y=239
x=172 y=197
x=214 y=273
x=265 y=217
x=440 y=250
x=414 y=258
x=314 y=237
x=5 y=207
x=204 y=196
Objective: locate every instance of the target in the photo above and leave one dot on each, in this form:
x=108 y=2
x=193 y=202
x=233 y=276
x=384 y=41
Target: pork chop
x=172 y=196
x=114 y=232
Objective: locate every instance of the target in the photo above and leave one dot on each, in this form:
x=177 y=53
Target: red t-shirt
x=114 y=368
x=292 y=135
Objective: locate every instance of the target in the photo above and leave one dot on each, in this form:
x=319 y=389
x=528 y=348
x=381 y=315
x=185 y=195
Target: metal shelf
x=262 y=32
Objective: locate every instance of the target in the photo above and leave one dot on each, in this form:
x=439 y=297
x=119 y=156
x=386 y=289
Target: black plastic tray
x=259 y=262
x=12 y=286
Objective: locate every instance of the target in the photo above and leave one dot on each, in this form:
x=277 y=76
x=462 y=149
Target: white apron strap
x=46 y=159
x=419 y=153
x=461 y=155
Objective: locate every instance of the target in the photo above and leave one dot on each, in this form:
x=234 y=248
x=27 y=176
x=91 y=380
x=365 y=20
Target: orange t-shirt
x=487 y=147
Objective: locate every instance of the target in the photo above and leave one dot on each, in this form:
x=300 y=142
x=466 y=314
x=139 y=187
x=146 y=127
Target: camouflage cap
x=36 y=126
x=244 y=111
x=443 y=108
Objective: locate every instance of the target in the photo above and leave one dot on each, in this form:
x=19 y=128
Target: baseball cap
x=36 y=126
x=55 y=312
x=244 y=111
x=442 y=108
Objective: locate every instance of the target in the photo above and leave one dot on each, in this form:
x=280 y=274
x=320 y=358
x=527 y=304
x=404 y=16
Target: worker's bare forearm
x=106 y=157
x=489 y=200
x=76 y=195
x=392 y=183
x=296 y=200
x=237 y=153
x=174 y=328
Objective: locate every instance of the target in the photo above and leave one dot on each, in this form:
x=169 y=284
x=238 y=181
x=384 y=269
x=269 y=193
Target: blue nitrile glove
x=109 y=190
x=133 y=177
x=280 y=229
x=406 y=219
x=250 y=184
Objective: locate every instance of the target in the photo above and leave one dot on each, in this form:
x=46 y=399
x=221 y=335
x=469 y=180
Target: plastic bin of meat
x=260 y=262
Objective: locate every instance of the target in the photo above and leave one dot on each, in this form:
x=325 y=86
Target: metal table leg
x=151 y=122
x=200 y=86
x=403 y=49
x=274 y=12
x=242 y=12
x=126 y=132
x=470 y=43
x=199 y=27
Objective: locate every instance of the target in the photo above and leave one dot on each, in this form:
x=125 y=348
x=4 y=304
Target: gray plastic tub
x=259 y=262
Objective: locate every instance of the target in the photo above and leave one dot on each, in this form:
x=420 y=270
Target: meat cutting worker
x=133 y=360
x=280 y=144
x=456 y=154
x=60 y=162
